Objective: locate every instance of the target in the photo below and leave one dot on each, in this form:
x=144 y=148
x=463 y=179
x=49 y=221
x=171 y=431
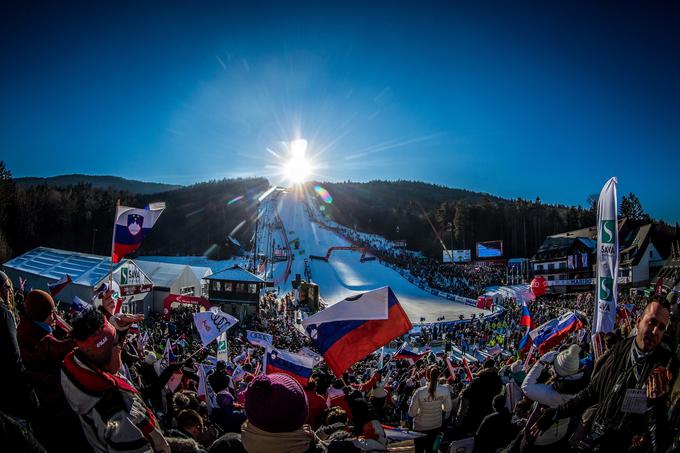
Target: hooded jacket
x=113 y=415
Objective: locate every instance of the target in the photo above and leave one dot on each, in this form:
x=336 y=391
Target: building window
x=539 y=267
x=241 y=288
x=187 y=290
x=551 y=266
x=252 y=288
x=216 y=286
x=551 y=278
x=651 y=254
x=228 y=287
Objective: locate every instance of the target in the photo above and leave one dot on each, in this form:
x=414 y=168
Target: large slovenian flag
x=298 y=366
x=548 y=335
x=525 y=317
x=355 y=327
x=56 y=287
x=131 y=227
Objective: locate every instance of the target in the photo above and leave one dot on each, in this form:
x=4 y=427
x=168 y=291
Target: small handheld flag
x=56 y=287
x=211 y=324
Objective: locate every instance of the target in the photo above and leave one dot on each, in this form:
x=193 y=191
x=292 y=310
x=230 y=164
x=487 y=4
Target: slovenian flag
x=525 y=317
x=79 y=304
x=355 y=327
x=131 y=227
x=56 y=287
x=406 y=354
x=297 y=366
x=548 y=335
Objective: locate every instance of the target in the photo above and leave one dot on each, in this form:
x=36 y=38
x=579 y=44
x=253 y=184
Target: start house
x=236 y=291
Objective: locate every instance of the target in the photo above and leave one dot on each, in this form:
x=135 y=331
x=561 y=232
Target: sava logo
x=102 y=342
x=607 y=229
x=604 y=307
x=606 y=287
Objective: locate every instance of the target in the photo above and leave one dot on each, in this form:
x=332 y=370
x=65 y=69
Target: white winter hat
x=150 y=358
x=567 y=362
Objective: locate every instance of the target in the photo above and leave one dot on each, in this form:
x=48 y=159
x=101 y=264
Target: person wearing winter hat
x=276 y=407
x=42 y=354
x=225 y=415
x=111 y=409
x=566 y=381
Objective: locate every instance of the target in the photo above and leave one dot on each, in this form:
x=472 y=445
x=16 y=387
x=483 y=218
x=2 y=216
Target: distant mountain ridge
x=98 y=182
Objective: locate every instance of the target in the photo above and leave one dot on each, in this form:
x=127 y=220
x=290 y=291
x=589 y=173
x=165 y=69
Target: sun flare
x=297 y=169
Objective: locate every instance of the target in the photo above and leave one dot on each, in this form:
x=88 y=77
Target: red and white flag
x=56 y=287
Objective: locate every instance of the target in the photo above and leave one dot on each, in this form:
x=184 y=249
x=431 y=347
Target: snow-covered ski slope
x=344 y=275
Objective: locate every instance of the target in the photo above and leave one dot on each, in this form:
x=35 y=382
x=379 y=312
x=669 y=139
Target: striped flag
x=56 y=287
x=131 y=226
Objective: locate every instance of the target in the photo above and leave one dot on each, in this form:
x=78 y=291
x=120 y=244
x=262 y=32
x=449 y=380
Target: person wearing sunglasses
x=42 y=354
x=113 y=414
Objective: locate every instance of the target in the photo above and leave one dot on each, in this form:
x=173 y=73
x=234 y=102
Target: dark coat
x=228 y=420
x=608 y=388
x=496 y=431
x=480 y=394
x=19 y=399
x=219 y=381
x=42 y=355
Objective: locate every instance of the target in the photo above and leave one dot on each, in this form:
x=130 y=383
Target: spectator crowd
x=100 y=381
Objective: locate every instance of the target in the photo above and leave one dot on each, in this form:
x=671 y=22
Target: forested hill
x=98 y=182
x=396 y=210
x=80 y=217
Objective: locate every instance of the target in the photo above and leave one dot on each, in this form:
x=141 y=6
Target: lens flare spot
x=234 y=200
x=323 y=194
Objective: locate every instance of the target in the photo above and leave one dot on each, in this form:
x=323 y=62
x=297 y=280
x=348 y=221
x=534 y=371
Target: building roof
x=561 y=246
x=236 y=274
x=165 y=274
x=634 y=245
x=83 y=268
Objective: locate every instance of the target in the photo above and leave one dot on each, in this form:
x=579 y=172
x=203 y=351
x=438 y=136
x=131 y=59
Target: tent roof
x=83 y=268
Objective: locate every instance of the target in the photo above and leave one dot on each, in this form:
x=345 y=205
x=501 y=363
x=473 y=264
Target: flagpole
x=113 y=242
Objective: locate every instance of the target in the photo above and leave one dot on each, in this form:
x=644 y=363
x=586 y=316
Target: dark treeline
x=397 y=210
x=80 y=217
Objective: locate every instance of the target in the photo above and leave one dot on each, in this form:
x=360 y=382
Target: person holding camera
x=633 y=382
x=552 y=381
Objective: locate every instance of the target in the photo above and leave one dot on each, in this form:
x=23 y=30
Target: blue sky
x=514 y=99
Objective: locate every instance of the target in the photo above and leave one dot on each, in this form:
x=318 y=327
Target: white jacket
x=545 y=393
x=427 y=411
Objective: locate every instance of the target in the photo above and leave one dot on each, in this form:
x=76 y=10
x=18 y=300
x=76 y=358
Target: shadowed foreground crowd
x=104 y=382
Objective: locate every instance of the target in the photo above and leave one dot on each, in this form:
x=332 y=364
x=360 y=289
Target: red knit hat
x=276 y=403
x=38 y=305
x=98 y=346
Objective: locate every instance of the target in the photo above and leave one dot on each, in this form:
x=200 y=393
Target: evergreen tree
x=632 y=208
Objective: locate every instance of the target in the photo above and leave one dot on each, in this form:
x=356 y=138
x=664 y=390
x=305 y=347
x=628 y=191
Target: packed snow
x=344 y=275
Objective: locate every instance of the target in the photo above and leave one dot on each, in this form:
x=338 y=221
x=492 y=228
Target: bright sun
x=298 y=168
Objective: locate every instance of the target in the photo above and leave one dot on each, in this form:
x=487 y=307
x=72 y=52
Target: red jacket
x=42 y=355
x=317 y=404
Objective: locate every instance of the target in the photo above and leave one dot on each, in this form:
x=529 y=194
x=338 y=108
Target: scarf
x=638 y=359
x=256 y=440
